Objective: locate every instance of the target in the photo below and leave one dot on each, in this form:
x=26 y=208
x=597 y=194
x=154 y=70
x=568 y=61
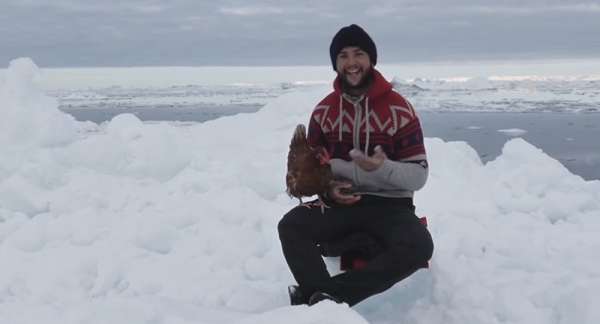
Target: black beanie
x=352 y=35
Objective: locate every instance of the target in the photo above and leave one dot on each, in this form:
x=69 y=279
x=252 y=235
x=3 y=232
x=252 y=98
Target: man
x=375 y=142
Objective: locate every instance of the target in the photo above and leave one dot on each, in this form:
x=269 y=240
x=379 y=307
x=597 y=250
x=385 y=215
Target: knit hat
x=352 y=35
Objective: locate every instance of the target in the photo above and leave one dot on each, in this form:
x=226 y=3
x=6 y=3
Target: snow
x=322 y=313
x=26 y=118
x=132 y=222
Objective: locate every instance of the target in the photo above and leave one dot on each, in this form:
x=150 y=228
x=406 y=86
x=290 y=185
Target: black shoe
x=296 y=296
x=320 y=296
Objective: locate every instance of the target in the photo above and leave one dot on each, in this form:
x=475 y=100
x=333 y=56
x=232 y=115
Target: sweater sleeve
x=392 y=175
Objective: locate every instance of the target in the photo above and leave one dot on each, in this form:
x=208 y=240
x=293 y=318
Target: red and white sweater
x=340 y=123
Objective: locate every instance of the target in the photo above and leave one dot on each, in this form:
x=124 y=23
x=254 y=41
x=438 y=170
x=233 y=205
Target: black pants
x=406 y=243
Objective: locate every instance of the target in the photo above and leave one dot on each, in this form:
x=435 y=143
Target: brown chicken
x=308 y=170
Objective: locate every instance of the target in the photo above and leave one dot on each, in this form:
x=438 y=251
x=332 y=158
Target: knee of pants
x=418 y=243
x=423 y=244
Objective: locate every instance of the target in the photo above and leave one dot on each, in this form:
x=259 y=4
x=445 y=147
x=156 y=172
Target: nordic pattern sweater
x=340 y=123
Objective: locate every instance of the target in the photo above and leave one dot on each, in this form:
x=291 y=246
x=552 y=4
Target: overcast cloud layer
x=191 y=32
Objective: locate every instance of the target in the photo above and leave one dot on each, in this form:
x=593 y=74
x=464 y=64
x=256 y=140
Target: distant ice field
x=547 y=86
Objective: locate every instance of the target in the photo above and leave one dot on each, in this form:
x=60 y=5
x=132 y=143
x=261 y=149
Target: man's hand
x=369 y=163
x=323 y=156
x=336 y=193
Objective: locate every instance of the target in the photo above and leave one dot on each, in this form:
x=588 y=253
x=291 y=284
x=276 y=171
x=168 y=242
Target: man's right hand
x=336 y=193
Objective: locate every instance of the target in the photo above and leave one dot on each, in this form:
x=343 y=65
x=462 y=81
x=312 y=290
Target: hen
x=308 y=170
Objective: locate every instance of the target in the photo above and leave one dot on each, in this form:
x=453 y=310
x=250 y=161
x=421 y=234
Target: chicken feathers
x=308 y=170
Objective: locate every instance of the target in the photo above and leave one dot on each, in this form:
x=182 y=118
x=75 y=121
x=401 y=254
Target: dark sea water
x=161 y=113
x=572 y=138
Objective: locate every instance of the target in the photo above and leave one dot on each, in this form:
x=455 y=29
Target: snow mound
x=130 y=222
x=322 y=313
x=27 y=116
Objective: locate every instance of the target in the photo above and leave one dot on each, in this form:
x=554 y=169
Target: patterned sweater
x=340 y=123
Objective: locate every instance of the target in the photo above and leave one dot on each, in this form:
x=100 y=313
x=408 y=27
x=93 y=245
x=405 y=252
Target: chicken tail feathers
x=299 y=137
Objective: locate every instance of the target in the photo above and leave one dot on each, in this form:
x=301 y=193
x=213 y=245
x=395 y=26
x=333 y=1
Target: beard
x=361 y=86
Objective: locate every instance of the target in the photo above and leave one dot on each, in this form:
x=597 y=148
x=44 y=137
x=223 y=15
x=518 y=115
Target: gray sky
x=196 y=32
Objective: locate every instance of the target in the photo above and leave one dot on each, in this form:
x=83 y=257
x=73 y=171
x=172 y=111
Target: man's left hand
x=369 y=163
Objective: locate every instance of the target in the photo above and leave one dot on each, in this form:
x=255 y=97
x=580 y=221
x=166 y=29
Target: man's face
x=353 y=65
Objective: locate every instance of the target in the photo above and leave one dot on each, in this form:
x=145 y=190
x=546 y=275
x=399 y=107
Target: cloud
x=124 y=32
x=526 y=9
x=149 y=8
x=78 y=6
x=266 y=10
x=380 y=11
x=251 y=11
x=476 y=7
